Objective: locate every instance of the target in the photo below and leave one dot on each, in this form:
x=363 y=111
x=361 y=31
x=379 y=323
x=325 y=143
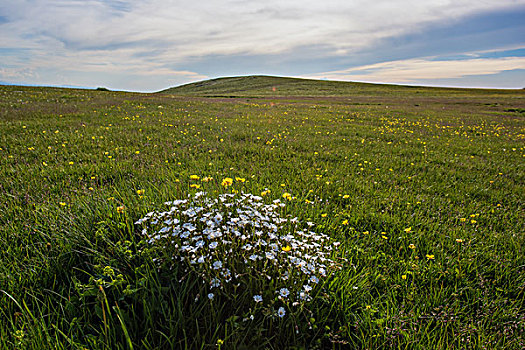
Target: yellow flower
x=62 y=204
x=346 y=196
x=404 y=277
x=345 y=222
x=473 y=221
x=411 y=246
x=430 y=256
x=240 y=179
x=286 y=249
x=288 y=196
x=463 y=219
x=459 y=240
x=324 y=215
x=194 y=177
x=140 y=192
x=120 y=209
x=195 y=186
x=227 y=182
x=264 y=193
x=366 y=233
x=408 y=229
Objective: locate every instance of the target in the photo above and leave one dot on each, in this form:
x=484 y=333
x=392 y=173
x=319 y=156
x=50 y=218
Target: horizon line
x=67 y=86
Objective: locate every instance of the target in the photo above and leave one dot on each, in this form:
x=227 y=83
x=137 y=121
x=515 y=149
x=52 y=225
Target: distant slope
x=258 y=85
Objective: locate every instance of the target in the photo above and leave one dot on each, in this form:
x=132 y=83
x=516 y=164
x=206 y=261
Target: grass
x=423 y=187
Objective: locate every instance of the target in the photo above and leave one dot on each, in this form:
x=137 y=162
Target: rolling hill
x=269 y=86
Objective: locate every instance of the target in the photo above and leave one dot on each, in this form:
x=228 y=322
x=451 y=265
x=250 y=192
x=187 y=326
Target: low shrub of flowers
x=244 y=249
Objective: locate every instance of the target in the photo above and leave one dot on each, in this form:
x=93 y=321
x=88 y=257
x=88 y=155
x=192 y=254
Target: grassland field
x=423 y=187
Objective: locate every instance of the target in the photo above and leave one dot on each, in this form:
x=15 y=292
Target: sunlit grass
x=425 y=195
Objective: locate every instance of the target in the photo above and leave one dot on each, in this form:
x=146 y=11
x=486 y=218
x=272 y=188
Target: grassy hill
x=422 y=187
x=269 y=86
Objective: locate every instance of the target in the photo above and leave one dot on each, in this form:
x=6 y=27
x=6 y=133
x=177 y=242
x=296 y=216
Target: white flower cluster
x=239 y=244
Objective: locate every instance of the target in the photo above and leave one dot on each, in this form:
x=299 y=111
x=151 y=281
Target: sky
x=150 y=45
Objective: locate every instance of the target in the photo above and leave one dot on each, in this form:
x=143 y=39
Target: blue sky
x=149 y=45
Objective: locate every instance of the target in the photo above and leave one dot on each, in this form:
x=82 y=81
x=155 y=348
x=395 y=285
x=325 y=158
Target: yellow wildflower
x=227 y=182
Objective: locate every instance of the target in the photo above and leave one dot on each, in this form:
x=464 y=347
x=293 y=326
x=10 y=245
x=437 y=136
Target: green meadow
x=423 y=188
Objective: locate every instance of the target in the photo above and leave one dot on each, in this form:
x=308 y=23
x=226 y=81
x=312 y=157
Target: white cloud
x=16 y=73
x=190 y=28
x=413 y=70
x=158 y=36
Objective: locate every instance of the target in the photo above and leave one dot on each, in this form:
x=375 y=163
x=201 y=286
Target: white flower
x=281 y=312
x=284 y=292
x=201 y=229
x=215 y=283
x=270 y=256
